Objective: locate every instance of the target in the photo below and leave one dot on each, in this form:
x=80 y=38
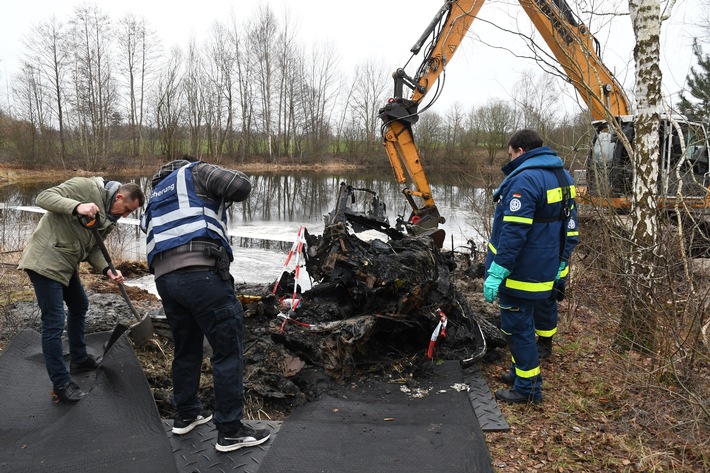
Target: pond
x=264 y=227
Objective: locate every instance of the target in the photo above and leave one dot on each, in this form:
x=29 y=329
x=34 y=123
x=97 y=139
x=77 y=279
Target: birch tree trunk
x=637 y=327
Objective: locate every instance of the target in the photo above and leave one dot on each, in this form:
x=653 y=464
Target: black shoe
x=87 y=364
x=544 y=347
x=69 y=392
x=183 y=426
x=514 y=397
x=507 y=378
x=244 y=437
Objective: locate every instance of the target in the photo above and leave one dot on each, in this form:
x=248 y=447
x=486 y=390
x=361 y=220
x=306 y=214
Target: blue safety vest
x=526 y=225
x=176 y=215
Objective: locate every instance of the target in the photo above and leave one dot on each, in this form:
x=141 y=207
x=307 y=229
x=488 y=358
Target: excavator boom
x=578 y=53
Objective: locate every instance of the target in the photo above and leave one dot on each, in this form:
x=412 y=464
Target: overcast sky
x=377 y=30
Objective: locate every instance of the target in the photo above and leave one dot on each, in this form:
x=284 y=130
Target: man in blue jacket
x=527 y=252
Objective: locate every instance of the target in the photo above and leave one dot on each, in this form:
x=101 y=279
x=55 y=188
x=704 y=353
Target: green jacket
x=60 y=242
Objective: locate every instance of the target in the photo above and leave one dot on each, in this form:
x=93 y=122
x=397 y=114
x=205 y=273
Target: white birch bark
x=646 y=21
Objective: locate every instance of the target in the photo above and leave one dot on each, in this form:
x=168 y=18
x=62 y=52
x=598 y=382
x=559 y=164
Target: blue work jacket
x=528 y=224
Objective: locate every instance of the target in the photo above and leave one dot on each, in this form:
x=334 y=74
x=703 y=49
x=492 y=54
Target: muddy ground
x=287 y=364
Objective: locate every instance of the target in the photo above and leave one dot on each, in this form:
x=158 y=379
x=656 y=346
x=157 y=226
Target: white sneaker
x=244 y=437
x=183 y=426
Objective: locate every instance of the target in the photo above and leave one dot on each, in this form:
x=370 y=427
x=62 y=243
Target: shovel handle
x=93 y=225
x=90 y=223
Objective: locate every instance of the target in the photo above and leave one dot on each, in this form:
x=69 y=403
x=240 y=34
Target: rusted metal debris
x=371 y=302
x=373 y=306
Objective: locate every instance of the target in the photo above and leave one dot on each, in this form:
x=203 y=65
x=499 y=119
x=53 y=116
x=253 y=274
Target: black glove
x=559 y=290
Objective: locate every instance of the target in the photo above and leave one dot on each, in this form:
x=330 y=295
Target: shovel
x=142 y=330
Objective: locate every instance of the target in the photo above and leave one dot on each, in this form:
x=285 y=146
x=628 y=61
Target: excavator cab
x=683 y=163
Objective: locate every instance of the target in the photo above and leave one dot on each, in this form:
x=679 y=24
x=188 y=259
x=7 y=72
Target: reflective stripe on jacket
x=526 y=226
x=176 y=215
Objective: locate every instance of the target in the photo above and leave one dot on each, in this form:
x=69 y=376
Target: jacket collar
x=111 y=188
x=543 y=157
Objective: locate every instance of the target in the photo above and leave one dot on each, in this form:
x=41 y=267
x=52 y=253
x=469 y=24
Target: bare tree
x=244 y=70
x=430 y=132
x=94 y=91
x=535 y=98
x=194 y=84
x=168 y=105
x=287 y=77
x=29 y=92
x=370 y=87
x=220 y=60
x=48 y=53
x=495 y=121
x=137 y=52
x=264 y=33
x=318 y=92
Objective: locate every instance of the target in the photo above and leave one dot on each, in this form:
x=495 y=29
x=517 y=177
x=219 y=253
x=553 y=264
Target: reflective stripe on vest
x=555 y=195
x=176 y=219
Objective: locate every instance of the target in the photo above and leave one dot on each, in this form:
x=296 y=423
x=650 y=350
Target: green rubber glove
x=496 y=274
x=563 y=265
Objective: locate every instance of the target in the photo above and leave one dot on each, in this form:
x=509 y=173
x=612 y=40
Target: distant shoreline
x=11 y=174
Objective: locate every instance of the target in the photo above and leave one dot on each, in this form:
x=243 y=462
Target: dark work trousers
x=198 y=303
x=516 y=323
x=51 y=296
x=546 y=316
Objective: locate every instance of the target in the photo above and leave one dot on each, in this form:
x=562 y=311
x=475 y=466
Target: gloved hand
x=563 y=265
x=496 y=274
x=559 y=290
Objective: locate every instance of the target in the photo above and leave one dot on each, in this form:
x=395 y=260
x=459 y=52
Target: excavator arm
x=578 y=52
x=447 y=30
x=574 y=47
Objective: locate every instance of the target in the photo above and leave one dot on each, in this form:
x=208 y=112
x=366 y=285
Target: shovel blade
x=141 y=331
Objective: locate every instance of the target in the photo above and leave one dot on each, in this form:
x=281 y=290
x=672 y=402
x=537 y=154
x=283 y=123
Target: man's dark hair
x=525 y=139
x=132 y=191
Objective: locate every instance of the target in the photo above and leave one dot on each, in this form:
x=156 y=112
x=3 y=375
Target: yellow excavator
x=684 y=146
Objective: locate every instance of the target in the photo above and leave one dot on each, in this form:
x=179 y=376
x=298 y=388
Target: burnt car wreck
x=379 y=305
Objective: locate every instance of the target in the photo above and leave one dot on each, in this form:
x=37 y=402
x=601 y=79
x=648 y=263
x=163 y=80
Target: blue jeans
x=51 y=296
x=518 y=326
x=198 y=303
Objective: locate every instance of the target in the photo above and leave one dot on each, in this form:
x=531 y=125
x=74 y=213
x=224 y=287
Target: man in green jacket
x=51 y=260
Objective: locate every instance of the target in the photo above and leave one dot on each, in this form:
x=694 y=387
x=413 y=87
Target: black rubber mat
x=381 y=428
x=484 y=404
x=115 y=428
x=195 y=453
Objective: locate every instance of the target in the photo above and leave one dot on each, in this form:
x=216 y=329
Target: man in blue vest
x=189 y=253
x=527 y=252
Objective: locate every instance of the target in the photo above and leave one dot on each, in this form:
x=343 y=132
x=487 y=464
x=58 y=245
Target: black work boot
x=507 y=378
x=87 y=364
x=544 y=347
x=514 y=397
x=69 y=393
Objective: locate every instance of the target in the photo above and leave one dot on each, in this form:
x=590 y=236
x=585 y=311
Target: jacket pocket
x=71 y=252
